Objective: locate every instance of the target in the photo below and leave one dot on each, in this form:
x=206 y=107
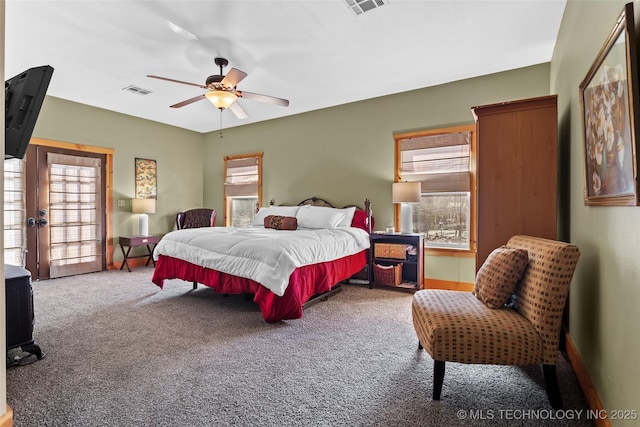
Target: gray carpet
x=122 y=352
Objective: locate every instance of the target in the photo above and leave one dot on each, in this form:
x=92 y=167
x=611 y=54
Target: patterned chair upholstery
x=456 y=326
x=195 y=218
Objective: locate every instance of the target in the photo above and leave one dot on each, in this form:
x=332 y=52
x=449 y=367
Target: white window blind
x=241 y=177
x=15 y=218
x=440 y=162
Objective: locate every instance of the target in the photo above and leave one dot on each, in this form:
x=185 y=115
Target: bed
x=289 y=258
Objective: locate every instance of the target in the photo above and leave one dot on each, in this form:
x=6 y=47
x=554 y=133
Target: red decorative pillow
x=499 y=275
x=279 y=222
x=360 y=220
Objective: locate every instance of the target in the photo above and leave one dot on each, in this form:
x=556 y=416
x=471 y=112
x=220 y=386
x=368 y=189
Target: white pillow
x=348 y=216
x=344 y=222
x=319 y=217
x=274 y=210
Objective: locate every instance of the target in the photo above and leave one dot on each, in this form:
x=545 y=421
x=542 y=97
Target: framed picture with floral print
x=146 y=179
x=609 y=104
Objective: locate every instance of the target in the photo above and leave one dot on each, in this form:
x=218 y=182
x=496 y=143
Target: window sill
x=450 y=252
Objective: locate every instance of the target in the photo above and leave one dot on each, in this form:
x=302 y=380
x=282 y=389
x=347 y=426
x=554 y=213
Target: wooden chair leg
x=438 y=377
x=551 y=385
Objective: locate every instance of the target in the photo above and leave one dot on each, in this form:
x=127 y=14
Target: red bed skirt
x=304 y=283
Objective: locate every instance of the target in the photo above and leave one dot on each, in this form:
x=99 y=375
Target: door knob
x=32 y=221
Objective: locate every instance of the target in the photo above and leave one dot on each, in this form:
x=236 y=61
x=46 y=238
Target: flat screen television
x=24 y=95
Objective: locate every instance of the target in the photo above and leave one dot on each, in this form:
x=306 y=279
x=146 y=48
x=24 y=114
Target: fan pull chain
x=220 y=122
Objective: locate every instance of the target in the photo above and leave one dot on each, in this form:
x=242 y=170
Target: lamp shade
x=143 y=205
x=220 y=98
x=405 y=192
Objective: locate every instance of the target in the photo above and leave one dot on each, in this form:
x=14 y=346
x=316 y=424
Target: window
x=15 y=218
x=441 y=161
x=242 y=188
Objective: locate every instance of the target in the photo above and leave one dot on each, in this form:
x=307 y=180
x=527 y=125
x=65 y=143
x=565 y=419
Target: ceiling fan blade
x=233 y=77
x=238 y=110
x=188 y=101
x=177 y=81
x=263 y=98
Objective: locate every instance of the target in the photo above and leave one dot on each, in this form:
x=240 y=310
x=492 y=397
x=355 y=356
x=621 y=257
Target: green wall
x=346 y=153
x=178 y=153
x=605 y=294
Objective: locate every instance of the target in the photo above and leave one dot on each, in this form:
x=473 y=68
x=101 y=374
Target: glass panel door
x=75 y=226
x=65 y=210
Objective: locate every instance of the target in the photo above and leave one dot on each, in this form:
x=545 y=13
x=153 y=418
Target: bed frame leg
x=322 y=297
x=195 y=285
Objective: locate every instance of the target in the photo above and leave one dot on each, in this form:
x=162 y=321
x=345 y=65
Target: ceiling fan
x=223 y=93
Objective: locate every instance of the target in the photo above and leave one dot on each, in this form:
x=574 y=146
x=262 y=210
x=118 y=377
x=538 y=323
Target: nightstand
x=397 y=260
x=134 y=241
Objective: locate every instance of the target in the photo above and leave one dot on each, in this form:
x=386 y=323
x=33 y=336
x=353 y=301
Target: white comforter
x=265 y=255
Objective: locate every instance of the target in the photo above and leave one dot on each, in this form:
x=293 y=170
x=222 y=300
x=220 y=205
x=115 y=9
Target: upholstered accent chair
x=195 y=218
x=456 y=326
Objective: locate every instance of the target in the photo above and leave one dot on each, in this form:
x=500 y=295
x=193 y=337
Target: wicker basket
x=388 y=274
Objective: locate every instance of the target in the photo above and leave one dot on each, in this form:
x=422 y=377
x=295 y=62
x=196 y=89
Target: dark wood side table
x=394 y=249
x=133 y=241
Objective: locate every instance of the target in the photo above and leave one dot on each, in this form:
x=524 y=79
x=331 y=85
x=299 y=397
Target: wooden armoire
x=516 y=171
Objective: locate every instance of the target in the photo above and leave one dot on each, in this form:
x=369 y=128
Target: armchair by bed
x=502 y=323
x=196 y=218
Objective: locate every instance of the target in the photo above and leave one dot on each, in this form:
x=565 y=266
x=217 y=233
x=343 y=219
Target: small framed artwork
x=609 y=104
x=146 y=179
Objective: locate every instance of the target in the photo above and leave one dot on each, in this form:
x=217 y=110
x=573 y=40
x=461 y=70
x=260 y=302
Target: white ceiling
x=315 y=53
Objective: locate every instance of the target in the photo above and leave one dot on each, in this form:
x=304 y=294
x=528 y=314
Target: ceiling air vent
x=361 y=6
x=137 y=90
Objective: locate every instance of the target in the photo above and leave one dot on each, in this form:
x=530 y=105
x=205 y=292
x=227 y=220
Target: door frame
x=108 y=206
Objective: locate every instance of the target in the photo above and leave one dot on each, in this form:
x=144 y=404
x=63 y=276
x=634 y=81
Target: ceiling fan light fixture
x=221 y=99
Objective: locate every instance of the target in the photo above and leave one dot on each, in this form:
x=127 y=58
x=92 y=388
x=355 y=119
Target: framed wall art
x=609 y=104
x=146 y=179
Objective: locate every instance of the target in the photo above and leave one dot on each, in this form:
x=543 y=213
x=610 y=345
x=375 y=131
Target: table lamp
x=403 y=193
x=143 y=207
